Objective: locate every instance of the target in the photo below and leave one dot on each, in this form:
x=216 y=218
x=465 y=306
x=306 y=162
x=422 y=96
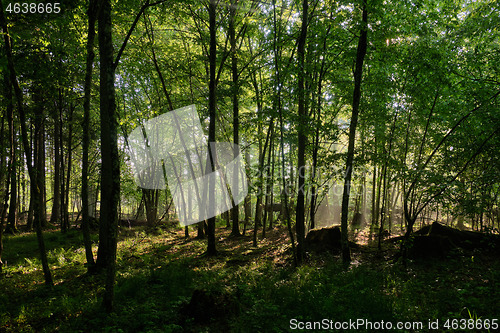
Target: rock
x=432 y=246
x=324 y=239
x=437 y=241
x=468 y=240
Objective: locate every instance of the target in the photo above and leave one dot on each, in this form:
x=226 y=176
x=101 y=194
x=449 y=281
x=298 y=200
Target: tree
x=236 y=124
x=91 y=14
x=358 y=74
x=212 y=96
x=27 y=149
x=110 y=167
x=12 y=216
x=302 y=134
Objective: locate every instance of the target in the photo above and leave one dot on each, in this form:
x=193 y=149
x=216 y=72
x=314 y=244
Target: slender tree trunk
x=66 y=183
x=247 y=203
x=211 y=244
x=269 y=184
x=383 y=213
x=41 y=172
x=12 y=216
x=56 y=200
x=39 y=159
x=62 y=180
x=10 y=167
x=374 y=200
x=258 y=205
x=273 y=161
x=236 y=123
x=358 y=73
x=302 y=136
x=91 y=14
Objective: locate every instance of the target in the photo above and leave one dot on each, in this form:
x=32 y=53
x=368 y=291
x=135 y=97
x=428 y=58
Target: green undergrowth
x=158 y=272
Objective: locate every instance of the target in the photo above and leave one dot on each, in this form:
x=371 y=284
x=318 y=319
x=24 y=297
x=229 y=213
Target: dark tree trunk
x=62 y=179
x=91 y=14
x=248 y=202
x=41 y=170
x=360 y=56
x=258 y=205
x=12 y=216
x=383 y=212
x=56 y=199
x=151 y=204
x=10 y=170
x=269 y=180
x=110 y=166
x=211 y=245
x=374 y=216
x=67 y=173
x=302 y=137
x=29 y=219
x=271 y=215
x=200 y=230
x=236 y=124
x=39 y=159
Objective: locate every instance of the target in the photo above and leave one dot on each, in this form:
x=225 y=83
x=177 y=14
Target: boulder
x=324 y=239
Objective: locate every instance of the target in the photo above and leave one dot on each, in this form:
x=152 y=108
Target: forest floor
x=165 y=283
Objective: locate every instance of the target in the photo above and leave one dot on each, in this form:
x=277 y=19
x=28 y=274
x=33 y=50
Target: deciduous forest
x=363 y=186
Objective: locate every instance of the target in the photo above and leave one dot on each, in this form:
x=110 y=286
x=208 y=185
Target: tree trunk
x=269 y=184
x=258 y=205
x=235 y=95
x=271 y=190
x=91 y=14
x=247 y=202
x=110 y=166
x=42 y=180
x=12 y=216
x=284 y=193
x=200 y=230
x=151 y=203
x=66 y=182
x=56 y=199
x=316 y=139
x=212 y=95
x=374 y=201
x=302 y=137
x=39 y=160
x=10 y=167
x=62 y=180
x=360 y=55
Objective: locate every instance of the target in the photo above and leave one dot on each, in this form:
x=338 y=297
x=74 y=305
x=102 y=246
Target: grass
x=157 y=274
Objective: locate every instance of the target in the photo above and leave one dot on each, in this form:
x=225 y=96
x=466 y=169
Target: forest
x=249 y=165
